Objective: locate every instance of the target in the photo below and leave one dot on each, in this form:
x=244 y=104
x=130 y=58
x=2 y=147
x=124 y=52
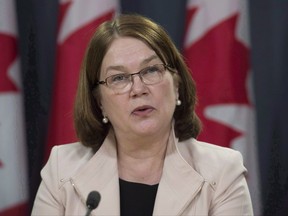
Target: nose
x=138 y=87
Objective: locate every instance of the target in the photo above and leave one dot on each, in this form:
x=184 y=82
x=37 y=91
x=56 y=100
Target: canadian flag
x=217 y=51
x=78 y=20
x=13 y=170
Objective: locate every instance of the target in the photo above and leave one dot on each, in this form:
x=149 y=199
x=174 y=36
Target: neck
x=142 y=163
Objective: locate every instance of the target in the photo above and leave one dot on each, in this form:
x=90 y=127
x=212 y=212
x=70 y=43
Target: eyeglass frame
x=166 y=66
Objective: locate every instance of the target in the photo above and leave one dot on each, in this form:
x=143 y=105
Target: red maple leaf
x=219 y=64
x=8 y=47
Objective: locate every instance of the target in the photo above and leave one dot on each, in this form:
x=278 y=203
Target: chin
x=148 y=128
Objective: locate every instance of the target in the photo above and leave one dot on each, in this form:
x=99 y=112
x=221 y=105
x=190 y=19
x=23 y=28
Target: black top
x=137 y=199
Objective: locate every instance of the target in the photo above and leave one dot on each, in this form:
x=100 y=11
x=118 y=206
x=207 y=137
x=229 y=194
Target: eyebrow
x=122 y=68
x=146 y=61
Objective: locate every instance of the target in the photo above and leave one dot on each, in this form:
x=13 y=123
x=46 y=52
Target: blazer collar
x=179 y=183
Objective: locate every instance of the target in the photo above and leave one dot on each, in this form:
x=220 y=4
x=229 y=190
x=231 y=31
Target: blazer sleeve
x=232 y=196
x=47 y=201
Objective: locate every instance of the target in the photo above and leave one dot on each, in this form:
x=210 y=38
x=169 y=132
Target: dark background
x=37 y=22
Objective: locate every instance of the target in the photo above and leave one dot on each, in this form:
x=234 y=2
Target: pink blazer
x=198 y=179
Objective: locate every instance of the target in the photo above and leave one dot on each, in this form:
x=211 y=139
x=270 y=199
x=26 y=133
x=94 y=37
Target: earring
x=178 y=102
x=105 y=120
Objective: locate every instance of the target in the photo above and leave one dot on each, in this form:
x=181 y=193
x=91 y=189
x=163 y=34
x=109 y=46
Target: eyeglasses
x=122 y=82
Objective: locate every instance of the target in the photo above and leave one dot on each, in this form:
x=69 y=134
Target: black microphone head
x=93 y=200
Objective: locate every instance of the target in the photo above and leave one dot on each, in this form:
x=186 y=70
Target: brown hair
x=87 y=112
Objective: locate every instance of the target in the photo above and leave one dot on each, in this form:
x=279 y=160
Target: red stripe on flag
x=8 y=53
x=69 y=57
x=20 y=209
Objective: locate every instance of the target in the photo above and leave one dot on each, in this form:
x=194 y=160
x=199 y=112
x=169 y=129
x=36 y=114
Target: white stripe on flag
x=13 y=169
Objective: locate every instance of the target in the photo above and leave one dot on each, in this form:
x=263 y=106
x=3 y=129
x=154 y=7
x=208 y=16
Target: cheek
x=107 y=104
x=171 y=90
x=168 y=94
x=105 y=100
x=112 y=105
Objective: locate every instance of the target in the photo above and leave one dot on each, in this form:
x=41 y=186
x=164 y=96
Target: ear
x=101 y=107
x=176 y=86
x=176 y=92
x=103 y=111
x=97 y=96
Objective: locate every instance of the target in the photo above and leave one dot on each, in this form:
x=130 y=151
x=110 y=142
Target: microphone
x=92 y=201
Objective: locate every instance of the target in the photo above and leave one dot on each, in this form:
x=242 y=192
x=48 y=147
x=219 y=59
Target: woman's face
x=143 y=110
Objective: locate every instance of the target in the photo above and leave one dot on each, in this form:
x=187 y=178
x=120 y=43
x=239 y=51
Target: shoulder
x=211 y=151
x=66 y=160
x=212 y=161
x=71 y=151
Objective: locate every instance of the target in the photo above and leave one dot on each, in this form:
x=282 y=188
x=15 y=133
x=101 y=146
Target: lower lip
x=143 y=112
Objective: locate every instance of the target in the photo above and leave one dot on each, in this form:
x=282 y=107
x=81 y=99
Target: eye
x=119 y=78
x=151 y=70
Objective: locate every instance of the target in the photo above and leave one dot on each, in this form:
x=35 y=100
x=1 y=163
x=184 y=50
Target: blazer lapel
x=179 y=184
x=101 y=174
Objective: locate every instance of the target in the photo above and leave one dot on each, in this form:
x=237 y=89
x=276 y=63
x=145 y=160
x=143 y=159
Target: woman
x=134 y=116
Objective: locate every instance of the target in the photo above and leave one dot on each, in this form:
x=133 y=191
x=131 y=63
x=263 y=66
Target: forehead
x=127 y=51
